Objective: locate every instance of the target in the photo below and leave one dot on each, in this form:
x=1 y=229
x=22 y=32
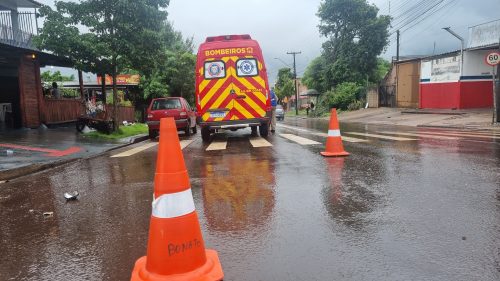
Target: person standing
x=55 y=91
x=274 y=103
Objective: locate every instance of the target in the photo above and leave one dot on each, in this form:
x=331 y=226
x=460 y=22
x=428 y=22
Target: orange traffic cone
x=334 y=146
x=176 y=250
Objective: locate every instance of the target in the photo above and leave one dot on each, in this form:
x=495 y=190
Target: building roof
x=15 y=4
x=12 y=53
x=484 y=35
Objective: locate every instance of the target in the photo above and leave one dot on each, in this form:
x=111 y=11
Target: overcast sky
x=281 y=26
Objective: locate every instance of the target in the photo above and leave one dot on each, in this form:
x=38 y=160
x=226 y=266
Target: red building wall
x=459 y=95
x=476 y=94
x=440 y=95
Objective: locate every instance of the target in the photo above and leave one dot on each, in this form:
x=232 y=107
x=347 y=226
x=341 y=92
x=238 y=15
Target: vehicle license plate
x=218 y=114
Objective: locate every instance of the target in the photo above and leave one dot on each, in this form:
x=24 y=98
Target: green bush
x=358 y=104
x=343 y=95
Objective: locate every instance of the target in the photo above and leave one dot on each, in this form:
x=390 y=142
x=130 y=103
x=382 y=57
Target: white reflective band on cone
x=334 y=133
x=173 y=205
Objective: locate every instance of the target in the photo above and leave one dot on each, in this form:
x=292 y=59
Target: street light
x=461 y=49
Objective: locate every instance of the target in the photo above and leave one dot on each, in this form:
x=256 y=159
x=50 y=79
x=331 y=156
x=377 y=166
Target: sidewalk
x=26 y=151
x=473 y=119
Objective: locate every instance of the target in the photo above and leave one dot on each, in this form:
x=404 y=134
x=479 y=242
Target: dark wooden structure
x=20 y=82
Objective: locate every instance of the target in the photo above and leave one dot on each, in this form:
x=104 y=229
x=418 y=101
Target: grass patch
x=123 y=132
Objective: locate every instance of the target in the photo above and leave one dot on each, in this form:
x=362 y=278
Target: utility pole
x=397 y=47
x=497 y=88
x=295 y=79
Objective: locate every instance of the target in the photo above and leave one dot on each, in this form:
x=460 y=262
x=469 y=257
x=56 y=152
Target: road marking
x=135 y=150
x=217 y=145
x=464 y=135
x=381 y=136
x=185 y=143
x=260 y=142
x=420 y=135
x=50 y=152
x=344 y=138
x=299 y=140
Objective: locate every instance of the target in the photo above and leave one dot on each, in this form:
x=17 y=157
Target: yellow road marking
x=424 y=135
x=380 y=136
x=135 y=150
x=299 y=140
x=259 y=142
x=217 y=145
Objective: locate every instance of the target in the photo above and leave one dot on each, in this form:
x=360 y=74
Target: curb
x=475 y=128
x=11 y=174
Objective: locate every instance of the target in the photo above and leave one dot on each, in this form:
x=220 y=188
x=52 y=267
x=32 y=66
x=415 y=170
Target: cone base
x=210 y=271
x=334 y=154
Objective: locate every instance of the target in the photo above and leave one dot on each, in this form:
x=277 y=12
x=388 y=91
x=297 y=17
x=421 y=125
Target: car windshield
x=166 y=104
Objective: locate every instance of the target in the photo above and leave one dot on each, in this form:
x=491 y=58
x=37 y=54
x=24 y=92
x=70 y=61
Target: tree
x=314 y=75
x=48 y=76
x=105 y=36
x=356 y=37
x=285 y=86
x=173 y=74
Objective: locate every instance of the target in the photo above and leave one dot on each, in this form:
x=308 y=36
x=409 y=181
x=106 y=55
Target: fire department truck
x=232 y=90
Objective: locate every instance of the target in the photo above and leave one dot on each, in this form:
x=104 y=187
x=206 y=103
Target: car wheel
x=153 y=134
x=254 y=130
x=205 y=134
x=187 y=130
x=264 y=130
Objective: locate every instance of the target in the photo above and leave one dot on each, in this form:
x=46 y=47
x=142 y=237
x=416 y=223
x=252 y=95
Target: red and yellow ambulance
x=232 y=90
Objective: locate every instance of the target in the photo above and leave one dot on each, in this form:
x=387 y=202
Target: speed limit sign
x=492 y=58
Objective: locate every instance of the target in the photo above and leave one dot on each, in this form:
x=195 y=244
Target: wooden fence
x=125 y=113
x=68 y=110
x=61 y=110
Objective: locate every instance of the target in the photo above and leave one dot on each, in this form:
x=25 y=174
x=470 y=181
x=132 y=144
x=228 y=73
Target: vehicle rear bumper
x=179 y=123
x=235 y=124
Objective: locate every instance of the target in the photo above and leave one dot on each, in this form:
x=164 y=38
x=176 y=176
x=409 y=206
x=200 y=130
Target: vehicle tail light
x=183 y=114
x=150 y=116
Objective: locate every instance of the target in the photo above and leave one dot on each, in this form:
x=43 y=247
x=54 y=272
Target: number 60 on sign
x=492 y=58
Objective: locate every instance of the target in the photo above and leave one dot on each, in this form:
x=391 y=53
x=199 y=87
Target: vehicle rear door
x=250 y=93
x=216 y=101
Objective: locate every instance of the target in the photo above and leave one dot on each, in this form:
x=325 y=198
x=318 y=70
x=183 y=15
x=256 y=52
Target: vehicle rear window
x=247 y=67
x=166 y=104
x=215 y=69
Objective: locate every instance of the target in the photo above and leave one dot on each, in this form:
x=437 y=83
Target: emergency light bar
x=228 y=38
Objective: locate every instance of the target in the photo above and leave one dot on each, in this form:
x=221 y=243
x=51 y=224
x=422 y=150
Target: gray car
x=280 y=112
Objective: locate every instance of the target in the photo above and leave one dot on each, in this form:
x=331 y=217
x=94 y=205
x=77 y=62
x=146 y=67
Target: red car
x=176 y=107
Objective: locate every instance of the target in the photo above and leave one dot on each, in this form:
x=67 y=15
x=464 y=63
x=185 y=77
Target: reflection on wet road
x=420 y=209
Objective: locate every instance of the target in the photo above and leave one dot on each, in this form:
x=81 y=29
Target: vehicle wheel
x=80 y=125
x=264 y=130
x=188 y=129
x=195 y=130
x=205 y=134
x=254 y=130
x=153 y=134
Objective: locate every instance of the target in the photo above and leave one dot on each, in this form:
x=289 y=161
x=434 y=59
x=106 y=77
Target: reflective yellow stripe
x=242 y=110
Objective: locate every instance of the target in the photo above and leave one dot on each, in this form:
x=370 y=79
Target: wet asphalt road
x=425 y=209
